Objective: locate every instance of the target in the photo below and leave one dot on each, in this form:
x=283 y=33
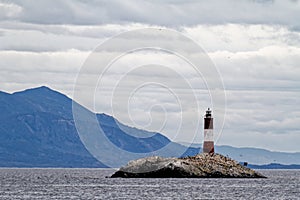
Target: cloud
x=21 y=70
x=269 y=68
x=242 y=37
x=9 y=10
x=166 y=13
x=37 y=41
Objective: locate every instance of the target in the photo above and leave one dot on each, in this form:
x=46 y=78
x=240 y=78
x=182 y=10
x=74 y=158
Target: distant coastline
x=274 y=166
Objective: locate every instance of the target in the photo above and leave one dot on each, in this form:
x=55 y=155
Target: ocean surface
x=93 y=184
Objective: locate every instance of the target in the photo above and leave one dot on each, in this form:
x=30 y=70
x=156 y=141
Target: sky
x=254 y=45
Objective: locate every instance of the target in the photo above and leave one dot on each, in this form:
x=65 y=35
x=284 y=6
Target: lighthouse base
x=208 y=147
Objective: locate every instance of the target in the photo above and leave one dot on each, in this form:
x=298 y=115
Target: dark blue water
x=92 y=184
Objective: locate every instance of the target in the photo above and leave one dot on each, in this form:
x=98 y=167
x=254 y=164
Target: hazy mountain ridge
x=259 y=156
x=274 y=166
x=37 y=130
x=256 y=156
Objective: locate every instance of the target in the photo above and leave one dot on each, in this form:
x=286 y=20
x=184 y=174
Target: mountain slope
x=37 y=129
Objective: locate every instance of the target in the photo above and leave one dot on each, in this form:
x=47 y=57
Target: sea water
x=93 y=184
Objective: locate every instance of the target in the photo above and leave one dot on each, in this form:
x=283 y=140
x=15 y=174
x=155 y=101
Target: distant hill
x=254 y=155
x=274 y=166
x=259 y=156
x=37 y=130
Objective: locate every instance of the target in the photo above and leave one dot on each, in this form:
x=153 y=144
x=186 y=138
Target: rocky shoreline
x=200 y=166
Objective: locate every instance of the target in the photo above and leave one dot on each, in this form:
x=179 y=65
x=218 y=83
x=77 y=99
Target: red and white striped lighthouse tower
x=208 y=144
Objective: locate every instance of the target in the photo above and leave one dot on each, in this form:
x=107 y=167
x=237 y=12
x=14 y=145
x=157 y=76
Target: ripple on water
x=92 y=184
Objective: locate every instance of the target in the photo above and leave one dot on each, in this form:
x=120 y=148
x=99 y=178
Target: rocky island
x=204 y=165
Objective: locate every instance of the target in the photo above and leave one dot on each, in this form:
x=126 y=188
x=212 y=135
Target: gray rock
x=200 y=166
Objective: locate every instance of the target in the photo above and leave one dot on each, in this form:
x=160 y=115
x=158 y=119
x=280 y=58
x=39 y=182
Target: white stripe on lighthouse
x=208 y=135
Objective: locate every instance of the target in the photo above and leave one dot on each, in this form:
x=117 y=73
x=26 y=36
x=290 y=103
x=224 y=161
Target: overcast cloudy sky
x=255 y=45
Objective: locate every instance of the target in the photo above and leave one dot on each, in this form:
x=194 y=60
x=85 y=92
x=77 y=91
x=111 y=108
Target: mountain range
x=37 y=129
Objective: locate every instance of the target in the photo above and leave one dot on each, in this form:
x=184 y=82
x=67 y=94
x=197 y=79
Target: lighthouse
x=208 y=144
